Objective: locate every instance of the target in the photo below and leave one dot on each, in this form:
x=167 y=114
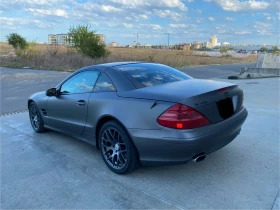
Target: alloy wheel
x=34 y=117
x=114 y=149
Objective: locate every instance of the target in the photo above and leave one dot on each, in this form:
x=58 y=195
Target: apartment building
x=58 y=39
x=63 y=39
x=214 y=41
x=102 y=38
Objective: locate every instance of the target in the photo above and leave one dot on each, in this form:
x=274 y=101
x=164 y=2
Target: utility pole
x=168 y=37
x=136 y=38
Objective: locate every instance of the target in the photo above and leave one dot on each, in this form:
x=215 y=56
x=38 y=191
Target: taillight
x=223 y=90
x=180 y=116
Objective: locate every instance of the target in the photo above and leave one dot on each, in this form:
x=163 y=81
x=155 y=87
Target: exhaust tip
x=199 y=157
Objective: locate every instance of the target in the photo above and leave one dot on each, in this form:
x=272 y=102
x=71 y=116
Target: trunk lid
x=203 y=95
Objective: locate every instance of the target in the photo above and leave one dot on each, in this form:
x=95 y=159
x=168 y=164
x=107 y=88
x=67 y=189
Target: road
x=54 y=171
x=215 y=71
x=18 y=84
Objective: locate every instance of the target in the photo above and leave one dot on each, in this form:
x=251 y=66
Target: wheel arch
x=104 y=119
x=29 y=102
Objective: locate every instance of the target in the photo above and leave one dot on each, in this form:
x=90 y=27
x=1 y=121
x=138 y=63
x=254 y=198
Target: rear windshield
x=152 y=74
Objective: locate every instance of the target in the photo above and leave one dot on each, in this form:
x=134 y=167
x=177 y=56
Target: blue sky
x=234 y=21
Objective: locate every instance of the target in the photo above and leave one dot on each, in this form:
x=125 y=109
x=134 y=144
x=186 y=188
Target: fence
x=268 y=60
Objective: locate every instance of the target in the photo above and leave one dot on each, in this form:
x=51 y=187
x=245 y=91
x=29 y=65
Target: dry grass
x=64 y=58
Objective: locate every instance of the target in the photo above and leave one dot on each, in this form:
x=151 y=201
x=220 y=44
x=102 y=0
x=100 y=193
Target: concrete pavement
x=52 y=170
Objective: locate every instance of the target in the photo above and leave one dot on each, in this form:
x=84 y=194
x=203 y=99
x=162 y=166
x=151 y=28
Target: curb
x=254 y=73
x=15 y=112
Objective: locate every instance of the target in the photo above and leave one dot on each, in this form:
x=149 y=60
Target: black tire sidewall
x=132 y=154
x=41 y=124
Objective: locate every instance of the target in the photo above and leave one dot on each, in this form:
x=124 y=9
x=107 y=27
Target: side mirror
x=52 y=92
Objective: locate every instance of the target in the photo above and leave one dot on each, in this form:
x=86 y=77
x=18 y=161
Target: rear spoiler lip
x=196 y=101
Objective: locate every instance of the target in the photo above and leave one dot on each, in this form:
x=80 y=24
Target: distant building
x=196 y=45
x=58 y=39
x=113 y=44
x=102 y=38
x=207 y=45
x=213 y=41
x=181 y=46
x=134 y=44
x=147 y=46
x=225 y=44
x=186 y=46
x=62 y=39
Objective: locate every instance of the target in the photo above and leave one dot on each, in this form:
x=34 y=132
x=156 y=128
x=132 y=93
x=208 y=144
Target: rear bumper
x=170 y=146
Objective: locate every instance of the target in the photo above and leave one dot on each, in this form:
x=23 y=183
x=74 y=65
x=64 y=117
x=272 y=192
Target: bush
x=274 y=50
x=87 y=42
x=151 y=58
x=223 y=50
x=263 y=49
x=17 y=41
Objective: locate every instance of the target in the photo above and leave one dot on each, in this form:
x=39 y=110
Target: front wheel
x=35 y=118
x=117 y=148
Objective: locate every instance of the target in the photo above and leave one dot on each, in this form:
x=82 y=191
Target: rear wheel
x=35 y=118
x=117 y=148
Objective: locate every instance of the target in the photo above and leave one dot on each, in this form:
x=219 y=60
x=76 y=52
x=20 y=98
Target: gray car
x=141 y=113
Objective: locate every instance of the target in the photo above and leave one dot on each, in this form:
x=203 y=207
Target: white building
x=62 y=39
x=196 y=44
x=113 y=44
x=102 y=38
x=134 y=44
x=58 y=39
x=206 y=44
x=225 y=44
x=214 y=41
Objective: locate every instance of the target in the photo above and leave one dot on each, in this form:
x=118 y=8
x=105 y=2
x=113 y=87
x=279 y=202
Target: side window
x=104 y=84
x=80 y=83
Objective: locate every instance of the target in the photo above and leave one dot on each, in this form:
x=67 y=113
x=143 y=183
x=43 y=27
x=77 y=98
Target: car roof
x=117 y=63
x=106 y=66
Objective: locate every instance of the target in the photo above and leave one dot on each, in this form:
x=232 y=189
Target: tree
x=17 y=41
x=263 y=49
x=274 y=49
x=86 y=42
x=223 y=50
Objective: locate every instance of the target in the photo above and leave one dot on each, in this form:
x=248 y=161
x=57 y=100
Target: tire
x=233 y=77
x=117 y=148
x=35 y=118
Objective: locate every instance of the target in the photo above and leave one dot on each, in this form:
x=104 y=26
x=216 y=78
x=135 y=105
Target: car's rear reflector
x=180 y=116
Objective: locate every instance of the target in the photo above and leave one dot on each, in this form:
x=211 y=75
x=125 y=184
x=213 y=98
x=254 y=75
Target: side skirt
x=84 y=137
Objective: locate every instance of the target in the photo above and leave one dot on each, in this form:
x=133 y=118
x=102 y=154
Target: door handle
x=81 y=103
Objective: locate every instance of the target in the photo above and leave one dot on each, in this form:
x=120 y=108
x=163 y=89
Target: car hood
x=38 y=94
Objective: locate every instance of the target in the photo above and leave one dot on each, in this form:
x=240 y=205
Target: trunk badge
x=201 y=103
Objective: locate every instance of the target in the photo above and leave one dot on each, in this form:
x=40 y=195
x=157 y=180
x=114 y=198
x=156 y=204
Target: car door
x=103 y=91
x=68 y=111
